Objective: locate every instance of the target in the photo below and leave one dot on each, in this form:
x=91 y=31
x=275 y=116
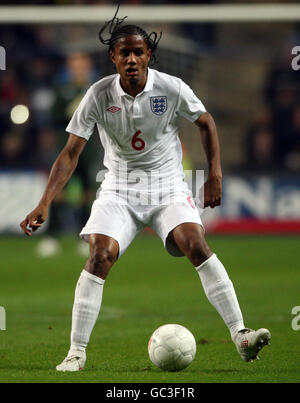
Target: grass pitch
x=146 y=289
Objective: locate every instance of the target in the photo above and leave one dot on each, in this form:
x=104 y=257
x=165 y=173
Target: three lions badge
x=158 y=105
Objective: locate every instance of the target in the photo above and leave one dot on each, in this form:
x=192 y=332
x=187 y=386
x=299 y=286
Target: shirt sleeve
x=190 y=105
x=85 y=116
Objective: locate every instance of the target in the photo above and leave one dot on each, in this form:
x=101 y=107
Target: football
x=172 y=347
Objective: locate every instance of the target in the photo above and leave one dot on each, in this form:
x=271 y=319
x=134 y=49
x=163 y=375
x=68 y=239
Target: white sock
x=86 y=307
x=220 y=293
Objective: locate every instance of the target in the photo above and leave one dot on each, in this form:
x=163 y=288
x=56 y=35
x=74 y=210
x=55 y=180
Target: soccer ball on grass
x=172 y=347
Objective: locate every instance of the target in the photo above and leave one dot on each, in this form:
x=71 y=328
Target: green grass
x=145 y=289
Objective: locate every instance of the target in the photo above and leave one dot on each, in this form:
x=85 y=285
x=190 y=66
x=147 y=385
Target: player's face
x=131 y=58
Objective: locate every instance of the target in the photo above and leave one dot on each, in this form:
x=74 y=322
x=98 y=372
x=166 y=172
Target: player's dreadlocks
x=117 y=31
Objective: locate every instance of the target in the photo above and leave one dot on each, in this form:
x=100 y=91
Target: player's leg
x=189 y=238
x=88 y=298
x=180 y=228
x=110 y=230
x=104 y=252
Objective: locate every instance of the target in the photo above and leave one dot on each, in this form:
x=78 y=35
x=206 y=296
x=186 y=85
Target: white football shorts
x=122 y=221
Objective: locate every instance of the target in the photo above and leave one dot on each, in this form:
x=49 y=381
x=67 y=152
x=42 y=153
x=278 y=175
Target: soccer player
x=136 y=112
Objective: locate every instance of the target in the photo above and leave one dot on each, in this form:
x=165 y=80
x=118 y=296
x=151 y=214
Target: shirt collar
x=148 y=86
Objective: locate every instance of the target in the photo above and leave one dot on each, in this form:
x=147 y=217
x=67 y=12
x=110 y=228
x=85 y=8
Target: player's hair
x=116 y=31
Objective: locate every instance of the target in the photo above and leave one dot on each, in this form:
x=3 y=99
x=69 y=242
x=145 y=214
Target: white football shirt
x=138 y=133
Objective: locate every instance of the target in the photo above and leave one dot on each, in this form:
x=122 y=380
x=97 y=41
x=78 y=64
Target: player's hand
x=213 y=191
x=34 y=220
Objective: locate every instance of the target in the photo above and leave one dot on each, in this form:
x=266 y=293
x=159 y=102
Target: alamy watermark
x=296 y=60
x=2 y=318
x=2 y=58
x=296 y=319
x=138 y=187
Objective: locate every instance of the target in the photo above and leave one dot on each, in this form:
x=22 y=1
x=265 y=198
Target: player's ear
x=112 y=56
x=149 y=54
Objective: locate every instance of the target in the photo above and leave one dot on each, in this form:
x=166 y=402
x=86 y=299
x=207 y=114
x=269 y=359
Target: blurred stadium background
x=241 y=70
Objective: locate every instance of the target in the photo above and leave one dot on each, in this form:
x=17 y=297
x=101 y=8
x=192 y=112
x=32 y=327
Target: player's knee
x=198 y=251
x=100 y=261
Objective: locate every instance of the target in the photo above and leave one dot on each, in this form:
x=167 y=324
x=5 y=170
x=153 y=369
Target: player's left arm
x=211 y=144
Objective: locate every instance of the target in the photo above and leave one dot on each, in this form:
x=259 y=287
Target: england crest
x=158 y=105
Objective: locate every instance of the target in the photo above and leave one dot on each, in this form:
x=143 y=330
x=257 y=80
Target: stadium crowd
x=273 y=140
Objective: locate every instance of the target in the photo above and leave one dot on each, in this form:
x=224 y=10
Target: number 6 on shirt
x=137 y=144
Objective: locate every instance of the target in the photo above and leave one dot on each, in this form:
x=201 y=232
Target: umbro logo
x=113 y=109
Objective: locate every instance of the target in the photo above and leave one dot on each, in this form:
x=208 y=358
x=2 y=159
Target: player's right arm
x=61 y=171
